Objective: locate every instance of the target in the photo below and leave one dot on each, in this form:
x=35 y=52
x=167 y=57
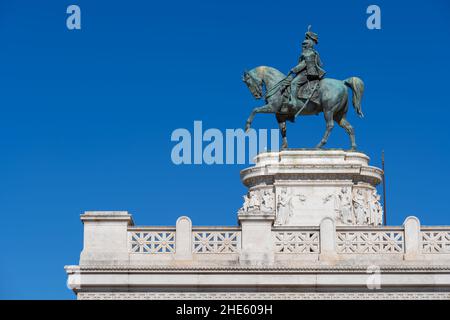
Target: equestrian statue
x=304 y=91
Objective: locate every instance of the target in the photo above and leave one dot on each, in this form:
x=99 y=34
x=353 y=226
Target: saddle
x=306 y=89
x=309 y=90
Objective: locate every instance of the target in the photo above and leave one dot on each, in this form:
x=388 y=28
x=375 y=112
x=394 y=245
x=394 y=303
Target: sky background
x=87 y=115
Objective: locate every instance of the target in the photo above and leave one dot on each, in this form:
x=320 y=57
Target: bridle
x=253 y=85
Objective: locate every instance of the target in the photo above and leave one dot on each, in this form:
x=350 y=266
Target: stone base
x=302 y=187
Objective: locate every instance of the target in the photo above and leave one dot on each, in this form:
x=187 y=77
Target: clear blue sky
x=86 y=116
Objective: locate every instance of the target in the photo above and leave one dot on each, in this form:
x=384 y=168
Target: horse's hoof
x=319 y=146
x=247 y=127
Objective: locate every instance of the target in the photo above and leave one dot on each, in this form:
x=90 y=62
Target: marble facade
x=310 y=227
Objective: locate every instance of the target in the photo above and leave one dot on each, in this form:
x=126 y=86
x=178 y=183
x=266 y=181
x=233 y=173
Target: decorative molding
x=342 y=268
x=225 y=296
x=259 y=175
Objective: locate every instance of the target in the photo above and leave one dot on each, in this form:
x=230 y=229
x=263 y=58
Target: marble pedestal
x=302 y=187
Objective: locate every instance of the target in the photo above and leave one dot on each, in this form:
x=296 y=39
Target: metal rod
x=384 y=189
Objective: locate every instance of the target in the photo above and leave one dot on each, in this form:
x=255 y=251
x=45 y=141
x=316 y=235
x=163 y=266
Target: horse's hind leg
x=330 y=124
x=342 y=121
x=349 y=129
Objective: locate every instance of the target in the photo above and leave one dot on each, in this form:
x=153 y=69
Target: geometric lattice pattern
x=297 y=242
x=435 y=242
x=216 y=242
x=153 y=242
x=370 y=242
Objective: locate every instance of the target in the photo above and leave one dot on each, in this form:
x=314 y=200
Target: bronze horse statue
x=333 y=98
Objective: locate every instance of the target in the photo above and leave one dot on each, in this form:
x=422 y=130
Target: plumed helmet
x=311 y=35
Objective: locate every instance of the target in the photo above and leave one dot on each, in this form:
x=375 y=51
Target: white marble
x=308 y=228
x=309 y=185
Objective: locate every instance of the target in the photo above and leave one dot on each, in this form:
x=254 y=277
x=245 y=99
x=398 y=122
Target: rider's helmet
x=311 y=35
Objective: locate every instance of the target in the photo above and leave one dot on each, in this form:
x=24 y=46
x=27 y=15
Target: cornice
x=256 y=269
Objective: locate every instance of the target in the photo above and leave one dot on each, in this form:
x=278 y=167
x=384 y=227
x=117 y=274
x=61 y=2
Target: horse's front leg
x=282 y=125
x=264 y=109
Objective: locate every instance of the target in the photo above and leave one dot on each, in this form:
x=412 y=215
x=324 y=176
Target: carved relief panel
x=359 y=205
x=306 y=205
x=303 y=205
x=260 y=201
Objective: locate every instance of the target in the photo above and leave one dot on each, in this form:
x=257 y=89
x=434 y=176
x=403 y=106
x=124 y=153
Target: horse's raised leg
x=330 y=125
x=349 y=129
x=264 y=109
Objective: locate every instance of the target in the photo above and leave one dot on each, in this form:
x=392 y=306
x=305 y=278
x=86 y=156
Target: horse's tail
x=357 y=86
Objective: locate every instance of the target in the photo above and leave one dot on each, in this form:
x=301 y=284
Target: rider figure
x=308 y=72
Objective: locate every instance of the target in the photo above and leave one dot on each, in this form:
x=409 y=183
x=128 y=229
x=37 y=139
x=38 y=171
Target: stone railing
x=435 y=240
x=160 y=240
x=296 y=240
x=370 y=240
x=111 y=236
x=216 y=240
x=152 y=240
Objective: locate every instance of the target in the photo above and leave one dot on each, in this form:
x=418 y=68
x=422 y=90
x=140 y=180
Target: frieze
x=264 y=295
x=359 y=205
x=258 y=201
x=417 y=268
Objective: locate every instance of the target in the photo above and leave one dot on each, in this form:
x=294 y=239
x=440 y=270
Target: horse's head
x=253 y=84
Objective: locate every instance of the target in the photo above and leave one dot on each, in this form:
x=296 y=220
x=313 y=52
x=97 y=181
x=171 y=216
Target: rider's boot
x=288 y=105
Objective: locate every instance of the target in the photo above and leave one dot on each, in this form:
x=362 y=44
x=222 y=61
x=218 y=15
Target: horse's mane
x=269 y=71
x=268 y=75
